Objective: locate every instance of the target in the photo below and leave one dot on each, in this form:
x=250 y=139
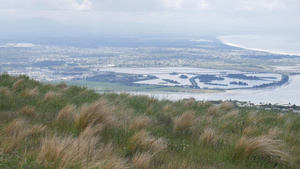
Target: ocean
x=280 y=44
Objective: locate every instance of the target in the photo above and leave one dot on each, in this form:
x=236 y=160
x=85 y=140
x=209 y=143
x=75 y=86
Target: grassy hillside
x=60 y=126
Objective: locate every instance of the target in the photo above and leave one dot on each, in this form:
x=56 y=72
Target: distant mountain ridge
x=36 y=27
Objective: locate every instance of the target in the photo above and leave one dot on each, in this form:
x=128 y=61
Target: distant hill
x=36 y=28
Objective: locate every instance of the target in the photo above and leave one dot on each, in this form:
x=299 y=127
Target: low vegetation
x=60 y=126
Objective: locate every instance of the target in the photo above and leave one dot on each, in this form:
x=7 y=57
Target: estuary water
x=288 y=93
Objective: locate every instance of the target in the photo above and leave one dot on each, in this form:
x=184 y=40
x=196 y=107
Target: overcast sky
x=172 y=17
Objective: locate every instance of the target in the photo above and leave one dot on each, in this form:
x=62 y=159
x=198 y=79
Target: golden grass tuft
x=37 y=130
x=168 y=108
x=232 y=114
x=4 y=91
x=159 y=145
x=185 y=164
x=112 y=162
x=213 y=110
x=91 y=131
x=140 y=123
x=30 y=92
x=274 y=132
x=227 y=106
x=66 y=113
x=143 y=140
x=262 y=147
x=150 y=110
x=17 y=84
x=81 y=152
x=28 y=111
x=189 y=102
x=168 y=111
x=14 y=128
x=207 y=120
x=50 y=95
x=13 y=135
x=249 y=130
x=95 y=113
x=142 y=160
x=184 y=122
x=210 y=137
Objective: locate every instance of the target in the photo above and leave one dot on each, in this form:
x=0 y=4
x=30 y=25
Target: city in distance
x=174 y=68
x=252 y=48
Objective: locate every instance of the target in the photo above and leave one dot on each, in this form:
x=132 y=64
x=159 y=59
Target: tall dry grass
x=4 y=91
x=189 y=102
x=232 y=114
x=262 y=147
x=85 y=151
x=50 y=96
x=140 y=122
x=168 y=108
x=210 y=137
x=144 y=141
x=213 y=110
x=17 y=84
x=184 y=122
x=36 y=130
x=227 y=106
x=95 y=113
x=250 y=130
x=30 y=92
x=168 y=111
x=91 y=131
x=28 y=111
x=66 y=113
x=150 y=110
x=142 y=160
x=274 y=132
x=13 y=135
x=184 y=164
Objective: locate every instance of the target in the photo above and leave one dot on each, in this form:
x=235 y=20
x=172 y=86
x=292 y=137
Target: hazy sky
x=174 y=17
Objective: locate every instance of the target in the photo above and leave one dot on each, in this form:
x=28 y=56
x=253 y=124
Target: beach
x=278 y=44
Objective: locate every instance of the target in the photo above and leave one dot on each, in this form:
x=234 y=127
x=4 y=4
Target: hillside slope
x=60 y=126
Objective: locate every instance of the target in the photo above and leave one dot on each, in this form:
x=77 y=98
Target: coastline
x=225 y=40
x=281 y=95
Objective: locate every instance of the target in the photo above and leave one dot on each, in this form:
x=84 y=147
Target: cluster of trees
x=239 y=83
x=119 y=78
x=283 y=80
x=216 y=84
x=242 y=76
x=183 y=77
x=171 y=81
x=209 y=78
x=173 y=73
